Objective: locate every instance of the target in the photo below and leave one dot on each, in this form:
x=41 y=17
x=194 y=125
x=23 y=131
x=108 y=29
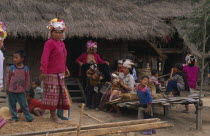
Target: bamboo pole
x=93 y=117
x=105 y=125
x=80 y=120
x=199 y=106
x=121 y=129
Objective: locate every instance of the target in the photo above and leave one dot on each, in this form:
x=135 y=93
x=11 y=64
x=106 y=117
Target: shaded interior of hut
x=155 y=54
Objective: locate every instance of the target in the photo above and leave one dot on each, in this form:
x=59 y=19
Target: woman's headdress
x=3 y=33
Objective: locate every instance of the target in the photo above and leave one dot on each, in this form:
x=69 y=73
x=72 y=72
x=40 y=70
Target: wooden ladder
x=75 y=89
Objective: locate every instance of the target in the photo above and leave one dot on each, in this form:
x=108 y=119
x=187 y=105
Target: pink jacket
x=53 y=57
x=83 y=58
x=191 y=75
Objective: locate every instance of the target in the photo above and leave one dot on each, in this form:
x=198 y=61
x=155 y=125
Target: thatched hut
x=176 y=47
x=120 y=28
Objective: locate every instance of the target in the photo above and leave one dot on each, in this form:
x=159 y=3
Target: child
x=177 y=84
x=34 y=105
x=115 y=91
x=18 y=83
x=145 y=99
x=37 y=90
x=154 y=79
x=119 y=66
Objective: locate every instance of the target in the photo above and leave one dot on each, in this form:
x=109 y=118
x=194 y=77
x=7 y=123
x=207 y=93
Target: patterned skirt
x=55 y=95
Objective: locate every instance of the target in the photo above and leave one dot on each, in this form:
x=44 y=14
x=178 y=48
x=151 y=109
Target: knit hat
x=128 y=63
x=91 y=44
x=5 y=113
x=56 y=24
x=179 y=66
x=3 y=33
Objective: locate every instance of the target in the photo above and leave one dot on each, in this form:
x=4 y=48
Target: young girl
x=145 y=99
x=119 y=66
x=154 y=79
x=18 y=83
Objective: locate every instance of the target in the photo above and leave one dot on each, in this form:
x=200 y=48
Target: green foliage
x=193 y=26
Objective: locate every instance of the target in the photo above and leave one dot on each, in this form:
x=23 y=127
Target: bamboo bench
x=165 y=103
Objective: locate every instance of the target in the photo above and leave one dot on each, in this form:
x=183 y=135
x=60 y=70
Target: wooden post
x=80 y=120
x=166 y=109
x=199 y=106
x=140 y=113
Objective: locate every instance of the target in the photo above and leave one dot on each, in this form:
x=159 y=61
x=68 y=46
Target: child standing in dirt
x=18 y=83
x=37 y=89
x=145 y=99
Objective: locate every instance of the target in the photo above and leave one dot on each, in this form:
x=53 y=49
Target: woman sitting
x=177 y=84
x=126 y=82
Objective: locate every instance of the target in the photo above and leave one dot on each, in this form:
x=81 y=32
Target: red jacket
x=53 y=57
x=33 y=104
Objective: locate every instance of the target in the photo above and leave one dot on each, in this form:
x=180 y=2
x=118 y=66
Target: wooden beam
x=80 y=119
x=170 y=50
x=106 y=125
x=121 y=129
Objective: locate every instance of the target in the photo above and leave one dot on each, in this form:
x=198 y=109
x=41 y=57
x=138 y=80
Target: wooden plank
x=2 y=101
x=77 y=98
x=121 y=129
x=105 y=125
x=75 y=91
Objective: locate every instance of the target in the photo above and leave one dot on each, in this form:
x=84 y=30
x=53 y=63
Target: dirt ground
x=184 y=124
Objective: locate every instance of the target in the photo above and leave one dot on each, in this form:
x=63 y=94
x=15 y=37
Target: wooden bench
x=165 y=103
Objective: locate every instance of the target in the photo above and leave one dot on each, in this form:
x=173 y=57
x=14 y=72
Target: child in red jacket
x=34 y=105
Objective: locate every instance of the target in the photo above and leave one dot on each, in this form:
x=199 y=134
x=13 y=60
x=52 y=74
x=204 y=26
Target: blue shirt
x=144 y=96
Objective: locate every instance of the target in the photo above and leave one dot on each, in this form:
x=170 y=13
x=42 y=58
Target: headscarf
x=56 y=24
x=3 y=33
x=128 y=64
x=91 y=45
x=190 y=60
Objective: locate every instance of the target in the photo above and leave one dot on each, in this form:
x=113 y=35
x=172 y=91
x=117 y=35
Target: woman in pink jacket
x=53 y=68
x=91 y=56
x=191 y=71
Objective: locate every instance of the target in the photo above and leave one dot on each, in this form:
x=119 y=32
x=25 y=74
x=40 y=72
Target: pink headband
x=91 y=44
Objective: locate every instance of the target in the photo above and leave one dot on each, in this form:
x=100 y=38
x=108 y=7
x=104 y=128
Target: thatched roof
x=110 y=19
x=167 y=8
